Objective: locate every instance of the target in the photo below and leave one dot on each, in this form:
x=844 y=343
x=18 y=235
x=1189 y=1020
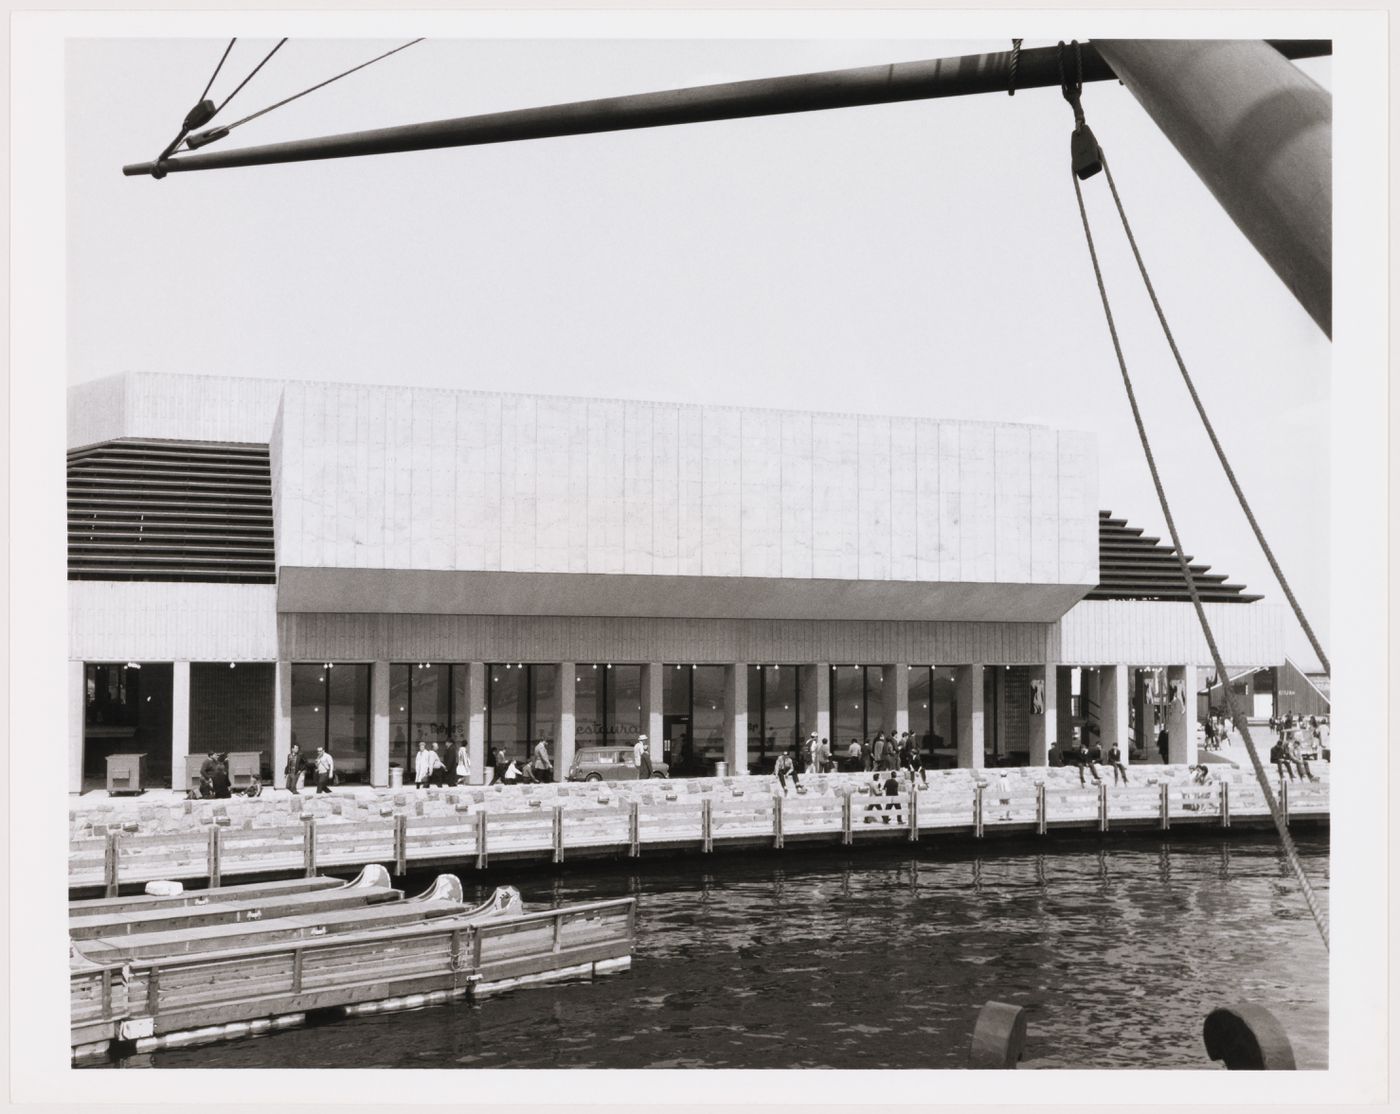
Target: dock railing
x=745 y=814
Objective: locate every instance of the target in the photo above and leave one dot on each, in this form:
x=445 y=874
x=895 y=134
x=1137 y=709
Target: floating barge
x=151 y=972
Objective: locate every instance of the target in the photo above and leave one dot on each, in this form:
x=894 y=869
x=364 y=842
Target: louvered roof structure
x=1136 y=567
x=170 y=511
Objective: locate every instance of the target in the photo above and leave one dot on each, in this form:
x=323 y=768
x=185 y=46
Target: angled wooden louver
x=1135 y=567
x=172 y=511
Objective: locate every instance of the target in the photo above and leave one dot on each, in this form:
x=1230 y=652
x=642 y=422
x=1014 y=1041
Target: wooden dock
x=228 y=981
x=743 y=815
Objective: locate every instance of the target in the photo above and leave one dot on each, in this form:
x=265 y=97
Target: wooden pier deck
x=741 y=813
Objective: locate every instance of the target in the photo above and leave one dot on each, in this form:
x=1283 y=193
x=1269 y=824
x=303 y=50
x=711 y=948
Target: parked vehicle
x=610 y=764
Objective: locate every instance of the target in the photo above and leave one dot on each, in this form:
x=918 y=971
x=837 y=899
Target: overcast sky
x=923 y=258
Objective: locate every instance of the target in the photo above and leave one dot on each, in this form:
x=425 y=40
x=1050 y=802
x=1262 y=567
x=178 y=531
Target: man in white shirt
x=325 y=770
x=642 y=756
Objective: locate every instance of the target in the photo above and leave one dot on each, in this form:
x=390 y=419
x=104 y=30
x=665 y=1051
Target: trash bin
x=721 y=769
x=126 y=773
x=395 y=777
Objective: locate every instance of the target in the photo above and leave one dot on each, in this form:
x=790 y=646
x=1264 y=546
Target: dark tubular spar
x=774 y=96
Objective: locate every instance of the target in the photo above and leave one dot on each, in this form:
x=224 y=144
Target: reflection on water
x=880 y=959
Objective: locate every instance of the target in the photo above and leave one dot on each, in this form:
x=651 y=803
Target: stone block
x=222 y=821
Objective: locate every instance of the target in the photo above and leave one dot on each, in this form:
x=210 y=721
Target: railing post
x=308 y=844
x=297 y=966
x=1103 y=806
x=634 y=830
x=1283 y=801
x=558 y=931
x=847 y=835
x=401 y=844
x=1164 y=793
x=707 y=830
x=1224 y=804
x=977 y=812
x=111 y=859
x=215 y=868
x=777 y=823
x=558 y=833
x=1040 y=808
x=913 y=812
x=481 y=843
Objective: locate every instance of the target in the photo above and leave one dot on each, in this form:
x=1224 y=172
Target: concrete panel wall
x=144 y=621
x=1143 y=632
x=401 y=478
x=176 y=407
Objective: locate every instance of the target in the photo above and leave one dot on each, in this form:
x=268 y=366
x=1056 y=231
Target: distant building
x=255 y=562
x=1266 y=691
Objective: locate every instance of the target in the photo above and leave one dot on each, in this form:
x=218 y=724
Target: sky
x=923 y=258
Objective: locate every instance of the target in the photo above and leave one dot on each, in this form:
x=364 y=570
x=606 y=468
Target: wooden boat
x=199 y=982
x=246 y=892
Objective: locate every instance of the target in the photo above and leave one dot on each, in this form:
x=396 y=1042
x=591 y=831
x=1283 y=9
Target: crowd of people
x=880 y=755
x=1297 y=739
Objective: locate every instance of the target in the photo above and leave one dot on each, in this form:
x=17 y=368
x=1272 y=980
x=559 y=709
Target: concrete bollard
x=999 y=1038
x=1247 y=1038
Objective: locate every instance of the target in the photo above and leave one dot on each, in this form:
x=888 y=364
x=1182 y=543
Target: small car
x=610 y=764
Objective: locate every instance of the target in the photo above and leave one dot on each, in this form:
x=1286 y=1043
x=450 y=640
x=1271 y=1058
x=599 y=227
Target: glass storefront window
x=624 y=703
x=920 y=705
x=129 y=710
x=508 y=710
x=231 y=709
x=331 y=708
x=544 y=704
x=707 y=716
x=943 y=728
x=847 y=704
x=774 y=713
x=588 y=705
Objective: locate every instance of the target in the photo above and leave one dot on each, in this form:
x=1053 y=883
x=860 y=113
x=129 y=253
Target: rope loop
x=1015 y=65
x=1071 y=92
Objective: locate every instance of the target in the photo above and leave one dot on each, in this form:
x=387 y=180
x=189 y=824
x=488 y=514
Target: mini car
x=610 y=764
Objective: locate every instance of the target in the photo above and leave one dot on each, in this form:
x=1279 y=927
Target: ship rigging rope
x=260 y=65
x=295 y=96
x=1210 y=432
x=1286 y=840
x=210 y=83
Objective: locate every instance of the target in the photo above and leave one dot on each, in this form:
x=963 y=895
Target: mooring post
x=1224 y=804
x=1164 y=794
x=913 y=813
x=1248 y=1038
x=977 y=811
x=777 y=823
x=999 y=1037
x=634 y=830
x=401 y=844
x=707 y=831
x=215 y=845
x=308 y=844
x=481 y=840
x=558 y=833
x=846 y=833
x=106 y=994
x=111 y=857
x=1103 y=806
x=1040 y=808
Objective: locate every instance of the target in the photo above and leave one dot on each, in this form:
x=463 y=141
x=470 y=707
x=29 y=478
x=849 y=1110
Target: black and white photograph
x=752 y=546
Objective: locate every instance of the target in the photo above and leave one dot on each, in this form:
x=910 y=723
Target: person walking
x=1164 y=744
x=499 y=763
x=464 y=769
x=642 y=756
x=853 y=756
x=877 y=750
x=867 y=755
x=293 y=770
x=325 y=770
x=423 y=765
x=223 y=789
x=824 y=765
x=542 y=766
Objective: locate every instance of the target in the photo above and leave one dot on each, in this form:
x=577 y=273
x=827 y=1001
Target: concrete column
x=1181 y=719
x=970 y=717
x=736 y=717
x=179 y=724
x=476 y=722
x=77 y=722
x=1091 y=705
x=653 y=698
x=1045 y=723
x=1144 y=737
x=564 y=729
x=379 y=725
x=1113 y=708
x=282 y=723
x=814 y=692
x=894 y=715
x=1064 y=708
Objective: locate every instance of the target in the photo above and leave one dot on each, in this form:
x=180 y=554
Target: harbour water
x=881 y=959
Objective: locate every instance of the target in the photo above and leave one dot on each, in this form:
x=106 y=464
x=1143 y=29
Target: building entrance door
x=128 y=711
x=677 y=749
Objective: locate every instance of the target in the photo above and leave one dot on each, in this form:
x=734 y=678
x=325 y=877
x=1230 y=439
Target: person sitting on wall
x=254 y=787
x=1282 y=762
x=206 y=775
x=1054 y=755
x=915 y=765
x=1297 y=752
x=785 y=768
x=325 y=770
x=891 y=789
x=1115 y=760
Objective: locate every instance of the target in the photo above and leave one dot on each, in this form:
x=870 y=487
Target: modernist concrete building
x=255 y=562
